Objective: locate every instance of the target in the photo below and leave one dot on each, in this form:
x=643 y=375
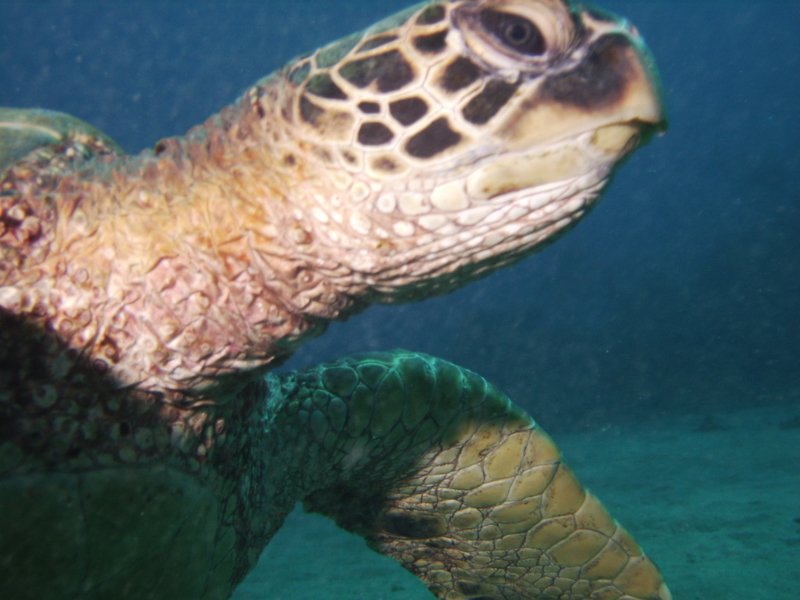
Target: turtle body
x=145 y=452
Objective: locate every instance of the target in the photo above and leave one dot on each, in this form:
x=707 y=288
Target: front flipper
x=441 y=471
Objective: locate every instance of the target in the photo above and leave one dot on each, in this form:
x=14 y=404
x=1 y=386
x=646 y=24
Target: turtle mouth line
x=594 y=151
x=649 y=129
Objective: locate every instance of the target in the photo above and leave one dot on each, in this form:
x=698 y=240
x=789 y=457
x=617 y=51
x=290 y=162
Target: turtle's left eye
x=516 y=32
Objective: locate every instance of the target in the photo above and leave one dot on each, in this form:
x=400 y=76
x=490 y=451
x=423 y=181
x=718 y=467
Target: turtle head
x=459 y=136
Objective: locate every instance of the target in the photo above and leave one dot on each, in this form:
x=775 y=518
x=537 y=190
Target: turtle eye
x=516 y=32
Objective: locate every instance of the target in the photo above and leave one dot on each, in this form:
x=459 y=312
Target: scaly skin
x=143 y=454
x=436 y=468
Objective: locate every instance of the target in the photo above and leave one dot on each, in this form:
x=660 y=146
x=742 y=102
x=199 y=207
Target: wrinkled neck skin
x=171 y=268
x=222 y=251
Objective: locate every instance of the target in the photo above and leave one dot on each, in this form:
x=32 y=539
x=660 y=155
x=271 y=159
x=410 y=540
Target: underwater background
x=659 y=342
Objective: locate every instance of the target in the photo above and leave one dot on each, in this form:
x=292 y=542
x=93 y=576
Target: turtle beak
x=611 y=87
x=621 y=49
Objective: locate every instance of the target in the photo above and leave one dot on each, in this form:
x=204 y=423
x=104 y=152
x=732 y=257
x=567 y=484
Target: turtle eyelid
x=514 y=31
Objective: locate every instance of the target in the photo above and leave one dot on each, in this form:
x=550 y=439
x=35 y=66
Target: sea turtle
x=145 y=452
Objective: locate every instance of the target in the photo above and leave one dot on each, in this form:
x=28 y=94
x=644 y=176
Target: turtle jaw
x=610 y=80
x=445 y=151
x=605 y=103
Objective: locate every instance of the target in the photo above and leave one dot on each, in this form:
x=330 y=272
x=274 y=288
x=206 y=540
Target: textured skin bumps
x=484 y=507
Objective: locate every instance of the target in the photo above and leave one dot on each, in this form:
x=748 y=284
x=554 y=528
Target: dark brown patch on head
x=349 y=157
x=408 y=110
x=459 y=74
x=374 y=134
x=413 y=525
x=435 y=138
x=492 y=98
x=432 y=43
x=376 y=42
x=432 y=14
x=599 y=80
x=289 y=160
x=309 y=111
x=389 y=70
x=322 y=85
x=369 y=108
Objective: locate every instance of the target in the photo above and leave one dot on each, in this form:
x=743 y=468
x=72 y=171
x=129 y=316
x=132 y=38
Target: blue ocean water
x=676 y=299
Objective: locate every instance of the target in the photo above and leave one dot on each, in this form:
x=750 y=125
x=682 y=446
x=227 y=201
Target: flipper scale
x=484 y=507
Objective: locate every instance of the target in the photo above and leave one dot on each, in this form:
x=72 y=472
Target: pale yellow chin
x=580 y=155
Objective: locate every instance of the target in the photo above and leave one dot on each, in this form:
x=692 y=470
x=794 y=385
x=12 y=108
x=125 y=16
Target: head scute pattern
x=466 y=114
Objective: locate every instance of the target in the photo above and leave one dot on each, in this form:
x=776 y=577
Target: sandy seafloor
x=713 y=501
